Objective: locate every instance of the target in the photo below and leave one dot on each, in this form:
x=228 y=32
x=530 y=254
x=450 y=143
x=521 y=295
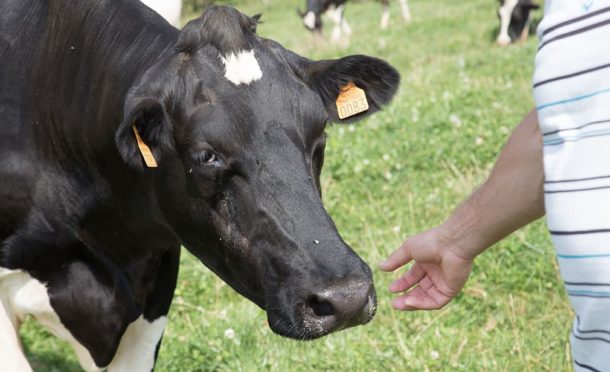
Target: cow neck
x=92 y=56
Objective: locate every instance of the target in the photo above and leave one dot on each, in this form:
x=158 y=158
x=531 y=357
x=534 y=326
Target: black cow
x=515 y=20
x=312 y=16
x=122 y=138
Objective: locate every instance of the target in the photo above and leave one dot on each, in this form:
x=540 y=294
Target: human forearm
x=510 y=198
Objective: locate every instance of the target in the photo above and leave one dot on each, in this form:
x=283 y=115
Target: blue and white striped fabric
x=572 y=93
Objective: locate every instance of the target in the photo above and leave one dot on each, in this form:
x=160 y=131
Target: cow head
x=236 y=123
x=515 y=20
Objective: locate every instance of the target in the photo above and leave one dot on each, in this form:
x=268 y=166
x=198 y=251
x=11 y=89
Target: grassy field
x=390 y=176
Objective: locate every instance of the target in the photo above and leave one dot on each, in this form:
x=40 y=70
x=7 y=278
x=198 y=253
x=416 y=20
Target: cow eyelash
x=205 y=158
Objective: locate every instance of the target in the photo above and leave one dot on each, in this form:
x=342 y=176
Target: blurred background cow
x=515 y=20
x=335 y=9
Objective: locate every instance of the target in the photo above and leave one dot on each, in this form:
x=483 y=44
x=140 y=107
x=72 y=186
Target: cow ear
x=375 y=77
x=145 y=133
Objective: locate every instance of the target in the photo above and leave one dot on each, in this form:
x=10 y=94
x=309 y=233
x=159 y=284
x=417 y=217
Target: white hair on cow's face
x=310 y=20
x=242 y=67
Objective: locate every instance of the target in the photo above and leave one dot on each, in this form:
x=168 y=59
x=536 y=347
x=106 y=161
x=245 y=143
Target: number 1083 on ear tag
x=351 y=101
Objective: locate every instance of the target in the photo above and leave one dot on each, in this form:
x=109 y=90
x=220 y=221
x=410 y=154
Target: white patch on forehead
x=136 y=350
x=22 y=295
x=242 y=68
x=310 y=20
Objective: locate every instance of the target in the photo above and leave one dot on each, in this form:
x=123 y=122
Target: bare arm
x=510 y=198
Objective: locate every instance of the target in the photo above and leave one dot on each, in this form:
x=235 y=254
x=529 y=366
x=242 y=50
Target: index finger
x=398 y=258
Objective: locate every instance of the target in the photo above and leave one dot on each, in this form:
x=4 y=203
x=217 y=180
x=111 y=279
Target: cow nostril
x=320 y=306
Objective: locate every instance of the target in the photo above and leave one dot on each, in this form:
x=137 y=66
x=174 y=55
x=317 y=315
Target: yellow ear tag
x=149 y=159
x=351 y=101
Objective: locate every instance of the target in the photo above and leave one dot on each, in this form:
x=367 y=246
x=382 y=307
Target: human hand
x=436 y=277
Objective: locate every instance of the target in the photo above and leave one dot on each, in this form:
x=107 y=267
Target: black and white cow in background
x=515 y=20
x=90 y=235
x=312 y=16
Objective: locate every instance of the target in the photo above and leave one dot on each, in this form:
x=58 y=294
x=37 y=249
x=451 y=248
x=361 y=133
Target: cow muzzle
x=325 y=309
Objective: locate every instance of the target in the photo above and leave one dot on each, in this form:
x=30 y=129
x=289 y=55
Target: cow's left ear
x=349 y=76
x=145 y=133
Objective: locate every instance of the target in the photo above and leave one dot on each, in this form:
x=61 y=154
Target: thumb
x=398 y=258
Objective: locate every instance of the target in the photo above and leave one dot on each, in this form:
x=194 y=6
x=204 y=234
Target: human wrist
x=459 y=234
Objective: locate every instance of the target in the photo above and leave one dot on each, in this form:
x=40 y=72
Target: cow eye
x=206 y=158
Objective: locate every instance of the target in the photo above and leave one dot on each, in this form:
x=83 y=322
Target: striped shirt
x=572 y=93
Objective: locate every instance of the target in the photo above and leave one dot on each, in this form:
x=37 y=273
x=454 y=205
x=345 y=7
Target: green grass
x=390 y=176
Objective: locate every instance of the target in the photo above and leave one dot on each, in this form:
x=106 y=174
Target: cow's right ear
x=145 y=133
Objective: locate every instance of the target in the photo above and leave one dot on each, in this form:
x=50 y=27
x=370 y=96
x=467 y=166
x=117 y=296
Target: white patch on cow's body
x=169 y=9
x=20 y=296
x=310 y=20
x=136 y=351
x=406 y=13
x=505 y=12
x=242 y=68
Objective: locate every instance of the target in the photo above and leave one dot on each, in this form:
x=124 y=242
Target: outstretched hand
x=436 y=277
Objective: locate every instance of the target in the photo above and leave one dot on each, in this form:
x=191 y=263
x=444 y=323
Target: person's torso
x=572 y=76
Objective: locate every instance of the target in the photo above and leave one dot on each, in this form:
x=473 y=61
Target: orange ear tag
x=351 y=101
x=149 y=159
